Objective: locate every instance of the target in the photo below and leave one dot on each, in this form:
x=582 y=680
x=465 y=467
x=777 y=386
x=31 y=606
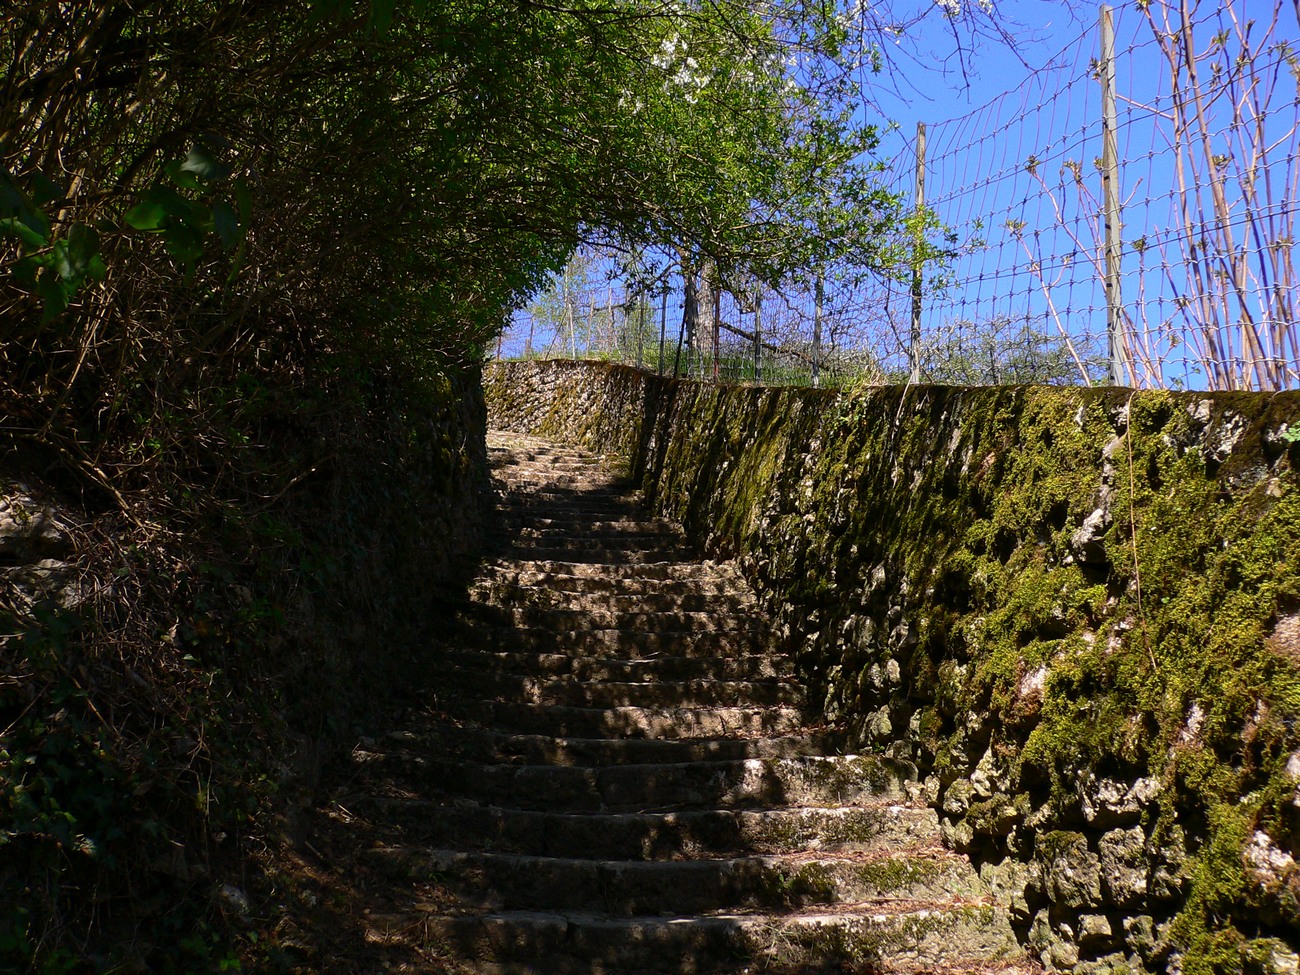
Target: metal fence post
x=1110 y=193
x=914 y=345
x=817 y=330
x=663 y=325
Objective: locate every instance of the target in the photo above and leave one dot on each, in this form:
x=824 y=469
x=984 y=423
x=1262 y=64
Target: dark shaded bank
x=180 y=663
x=1077 y=610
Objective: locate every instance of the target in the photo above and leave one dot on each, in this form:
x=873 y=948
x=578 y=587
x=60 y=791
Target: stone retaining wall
x=1076 y=610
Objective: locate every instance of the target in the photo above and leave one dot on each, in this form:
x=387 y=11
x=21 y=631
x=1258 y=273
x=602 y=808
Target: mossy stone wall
x=1076 y=610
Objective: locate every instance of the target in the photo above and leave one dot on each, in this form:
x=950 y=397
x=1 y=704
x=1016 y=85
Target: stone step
x=544 y=465
x=639 y=541
x=659 y=836
x=608 y=694
x=663 y=571
x=578 y=523
x=814 y=781
x=669 y=723
x=560 y=618
x=575 y=529
x=721 y=585
x=747 y=667
x=508 y=594
x=782 y=882
x=628 y=644
x=909 y=936
x=598 y=556
x=490 y=746
x=521 y=507
x=589 y=496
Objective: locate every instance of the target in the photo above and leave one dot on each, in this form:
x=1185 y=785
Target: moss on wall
x=1074 y=609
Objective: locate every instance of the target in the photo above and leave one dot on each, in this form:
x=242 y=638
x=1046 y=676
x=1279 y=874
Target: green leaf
x=83 y=247
x=45 y=190
x=54 y=295
x=381 y=14
x=226 y=224
x=183 y=243
x=203 y=164
x=61 y=261
x=161 y=207
x=175 y=171
x=24 y=272
x=243 y=201
x=146 y=216
x=14 y=227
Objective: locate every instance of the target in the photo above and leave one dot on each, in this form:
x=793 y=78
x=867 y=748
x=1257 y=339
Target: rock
x=1275 y=876
x=1063 y=955
x=234 y=899
x=1088 y=541
x=1110 y=802
x=1284 y=961
x=956 y=835
x=1140 y=936
x=1168 y=877
x=1112 y=964
x=930 y=789
x=1094 y=931
x=1293 y=770
x=1071 y=872
x=1221 y=440
x=990 y=777
x=997 y=816
x=1010 y=882
x=1041 y=936
x=1032 y=686
x=1124 y=865
x=957 y=799
x=31 y=531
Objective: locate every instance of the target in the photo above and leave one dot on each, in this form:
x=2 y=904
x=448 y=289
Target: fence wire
x=1207 y=173
x=1012 y=270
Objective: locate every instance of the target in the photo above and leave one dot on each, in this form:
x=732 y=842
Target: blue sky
x=1006 y=125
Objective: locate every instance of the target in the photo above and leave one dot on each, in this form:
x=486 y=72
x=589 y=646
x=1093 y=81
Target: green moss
x=953 y=511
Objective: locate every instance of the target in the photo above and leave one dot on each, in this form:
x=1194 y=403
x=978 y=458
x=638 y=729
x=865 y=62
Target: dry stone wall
x=1077 y=611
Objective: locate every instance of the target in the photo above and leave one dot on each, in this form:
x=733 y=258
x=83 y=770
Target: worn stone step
x=815 y=781
x=659 y=668
x=671 y=723
x=519 y=507
x=578 y=536
x=608 y=693
x=590 y=495
x=628 y=644
x=599 y=556
x=609 y=531
x=664 y=571
x=564 y=619
x=718 y=585
x=515 y=467
x=490 y=746
x=659 y=836
x=509 y=594
x=578 y=522
x=909 y=936
x=510 y=881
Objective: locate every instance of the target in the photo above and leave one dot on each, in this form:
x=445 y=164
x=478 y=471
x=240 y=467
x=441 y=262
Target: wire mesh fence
x=1040 y=255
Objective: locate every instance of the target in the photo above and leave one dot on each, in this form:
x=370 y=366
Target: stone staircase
x=619 y=776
